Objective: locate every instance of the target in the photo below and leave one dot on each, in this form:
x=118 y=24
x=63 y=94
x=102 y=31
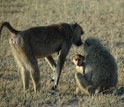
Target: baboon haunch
x=39 y=42
x=100 y=68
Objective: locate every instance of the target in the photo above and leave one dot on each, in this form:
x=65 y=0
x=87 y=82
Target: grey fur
x=100 y=67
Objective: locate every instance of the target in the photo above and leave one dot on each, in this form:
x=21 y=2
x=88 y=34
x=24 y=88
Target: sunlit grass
x=100 y=18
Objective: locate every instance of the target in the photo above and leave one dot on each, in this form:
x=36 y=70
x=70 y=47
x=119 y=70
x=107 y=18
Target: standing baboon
x=79 y=62
x=100 y=68
x=39 y=42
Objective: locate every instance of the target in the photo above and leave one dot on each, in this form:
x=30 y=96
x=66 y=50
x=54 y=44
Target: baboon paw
x=119 y=91
x=53 y=87
x=91 y=90
x=52 y=90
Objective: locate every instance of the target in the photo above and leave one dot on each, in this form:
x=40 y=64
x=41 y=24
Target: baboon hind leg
x=33 y=68
x=52 y=64
x=24 y=72
x=30 y=69
x=84 y=84
x=25 y=78
x=27 y=63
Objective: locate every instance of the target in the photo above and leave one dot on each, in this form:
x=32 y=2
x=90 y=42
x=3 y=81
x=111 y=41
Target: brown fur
x=42 y=42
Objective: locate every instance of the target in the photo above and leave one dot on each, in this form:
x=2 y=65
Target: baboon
x=100 y=68
x=79 y=62
x=41 y=42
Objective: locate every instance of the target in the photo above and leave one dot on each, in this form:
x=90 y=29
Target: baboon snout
x=79 y=43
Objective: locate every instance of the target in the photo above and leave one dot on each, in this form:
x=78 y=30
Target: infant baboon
x=79 y=61
x=100 y=68
x=42 y=42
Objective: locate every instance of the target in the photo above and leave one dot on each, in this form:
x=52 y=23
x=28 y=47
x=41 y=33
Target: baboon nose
x=80 y=43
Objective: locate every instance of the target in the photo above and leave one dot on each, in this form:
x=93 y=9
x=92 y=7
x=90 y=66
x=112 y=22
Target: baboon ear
x=74 y=25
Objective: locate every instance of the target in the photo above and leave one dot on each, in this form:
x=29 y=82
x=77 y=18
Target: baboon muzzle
x=79 y=43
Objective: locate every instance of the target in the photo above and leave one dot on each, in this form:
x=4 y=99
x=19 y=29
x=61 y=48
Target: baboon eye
x=87 y=43
x=77 y=59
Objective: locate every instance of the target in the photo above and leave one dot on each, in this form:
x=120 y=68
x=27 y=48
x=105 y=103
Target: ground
x=99 y=18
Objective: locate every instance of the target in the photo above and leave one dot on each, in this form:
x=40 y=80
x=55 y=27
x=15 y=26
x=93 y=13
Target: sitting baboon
x=100 y=68
x=42 y=42
x=79 y=62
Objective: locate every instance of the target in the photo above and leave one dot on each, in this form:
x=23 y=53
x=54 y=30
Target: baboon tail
x=6 y=24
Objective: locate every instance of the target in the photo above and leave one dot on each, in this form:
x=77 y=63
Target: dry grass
x=100 y=18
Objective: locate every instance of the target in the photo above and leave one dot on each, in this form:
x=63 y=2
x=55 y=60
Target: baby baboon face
x=78 y=31
x=77 y=59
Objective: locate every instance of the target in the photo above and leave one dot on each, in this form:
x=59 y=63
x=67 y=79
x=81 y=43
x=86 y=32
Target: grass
x=99 y=18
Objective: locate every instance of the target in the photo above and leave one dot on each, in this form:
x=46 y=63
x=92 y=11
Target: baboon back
x=100 y=66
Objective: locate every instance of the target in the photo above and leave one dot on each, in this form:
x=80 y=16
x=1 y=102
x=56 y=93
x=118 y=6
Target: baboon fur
x=41 y=42
x=79 y=61
x=100 y=68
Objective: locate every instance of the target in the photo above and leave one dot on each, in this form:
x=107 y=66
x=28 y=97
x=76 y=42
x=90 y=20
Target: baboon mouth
x=79 y=43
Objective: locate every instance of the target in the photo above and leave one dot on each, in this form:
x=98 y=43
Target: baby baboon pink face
x=77 y=59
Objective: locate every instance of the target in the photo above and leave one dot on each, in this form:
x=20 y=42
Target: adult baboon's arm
x=64 y=51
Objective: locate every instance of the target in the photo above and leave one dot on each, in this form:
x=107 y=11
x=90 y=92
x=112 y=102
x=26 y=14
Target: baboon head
x=77 y=59
x=77 y=31
x=91 y=44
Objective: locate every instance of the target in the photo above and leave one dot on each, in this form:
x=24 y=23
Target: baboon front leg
x=60 y=63
x=84 y=84
x=52 y=64
x=58 y=72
